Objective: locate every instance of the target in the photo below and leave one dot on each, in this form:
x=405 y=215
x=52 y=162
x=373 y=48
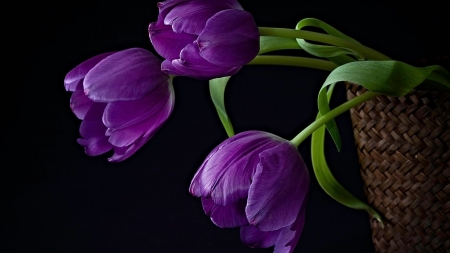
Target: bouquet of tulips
x=254 y=180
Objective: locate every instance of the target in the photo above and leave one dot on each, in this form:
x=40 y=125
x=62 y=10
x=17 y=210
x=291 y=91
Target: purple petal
x=279 y=187
x=229 y=216
x=289 y=236
x=80 y=104
x=94 y=147
x=168 y=68
x=127 y=136
x=126 y=75
x=93 y=131
x=255 y=238
x=122 y=114
x=79 y=72
x=92 y=125
x=232 y=4
x=230 y=39
x=227 y=172
x=167 y=43
x=128 y=121
x=191 y=16
x=122 y=153
x=284 y=239
x=167 y=6
x=193 y=65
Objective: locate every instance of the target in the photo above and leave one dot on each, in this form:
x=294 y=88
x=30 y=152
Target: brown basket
x=403 y=146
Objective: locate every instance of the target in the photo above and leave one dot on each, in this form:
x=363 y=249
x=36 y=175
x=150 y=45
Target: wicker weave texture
x=403 y=146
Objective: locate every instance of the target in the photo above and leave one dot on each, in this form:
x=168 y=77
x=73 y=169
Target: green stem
x=293 y=61
x=323 y=38
x=331 y=115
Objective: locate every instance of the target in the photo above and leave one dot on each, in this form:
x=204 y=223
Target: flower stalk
x=297 y=140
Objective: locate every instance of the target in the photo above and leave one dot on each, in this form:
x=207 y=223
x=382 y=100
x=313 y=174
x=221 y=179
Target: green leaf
x=217 y=90
x=392 y=78
x=272 y=43
x=326 y=179
x=437 y=80
x=341 y=59
x=326 y=27
x=324 y=108
x=336 y=54
x=328 y=182
x=332 y=127
x=327 y=51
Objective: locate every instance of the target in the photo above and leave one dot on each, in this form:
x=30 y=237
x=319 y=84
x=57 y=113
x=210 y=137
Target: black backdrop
x=57 y=199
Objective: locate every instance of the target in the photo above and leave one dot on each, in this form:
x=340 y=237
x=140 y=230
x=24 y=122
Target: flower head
x=204 y=39
x=122 y=97
x=258 y=181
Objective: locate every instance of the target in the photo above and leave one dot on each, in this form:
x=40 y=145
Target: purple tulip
x=258 y=181
x=204 y=39
x=122 y=98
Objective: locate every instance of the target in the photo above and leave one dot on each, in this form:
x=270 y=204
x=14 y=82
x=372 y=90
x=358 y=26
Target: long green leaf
x=326 y=27
x=336 y=54
x=326 y=179
x=326 y=51
x=392 y=78
x=217 y=91
x=328 y=182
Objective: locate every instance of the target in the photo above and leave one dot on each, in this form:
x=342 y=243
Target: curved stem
x=323 y=38
x=331 y=115
x=293 y=61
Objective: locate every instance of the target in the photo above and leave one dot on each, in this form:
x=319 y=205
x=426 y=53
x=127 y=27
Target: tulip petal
x=288 y=238
x=94 y=147
x=126 y=75
x=122 y=114
x=168 y=68
x=229 y=216
x=255 y=238
x=79 y=72
x=230 y=39
x=279 y=187
x=125 y=130
x=122 y=153
x=92 y=125
x=168 y=5
x=80 y=104
x=93 y=131
x=166 y=42
x=227 y=172
x=127 y=136
x=192 y=64
x=190 y=17
x=284 y=239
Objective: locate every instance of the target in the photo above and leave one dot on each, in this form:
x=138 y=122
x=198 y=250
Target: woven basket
x=403 y=146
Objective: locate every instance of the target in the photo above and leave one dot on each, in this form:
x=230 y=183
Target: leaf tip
x=377 y=217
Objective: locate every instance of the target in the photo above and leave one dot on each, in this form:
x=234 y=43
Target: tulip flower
x=122 y=98
x=204 y=39
x=259 y=182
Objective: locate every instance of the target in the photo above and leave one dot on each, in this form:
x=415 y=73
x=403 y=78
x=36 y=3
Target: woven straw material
x=403 y=146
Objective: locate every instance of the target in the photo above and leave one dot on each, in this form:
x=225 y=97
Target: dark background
x=57 y=199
